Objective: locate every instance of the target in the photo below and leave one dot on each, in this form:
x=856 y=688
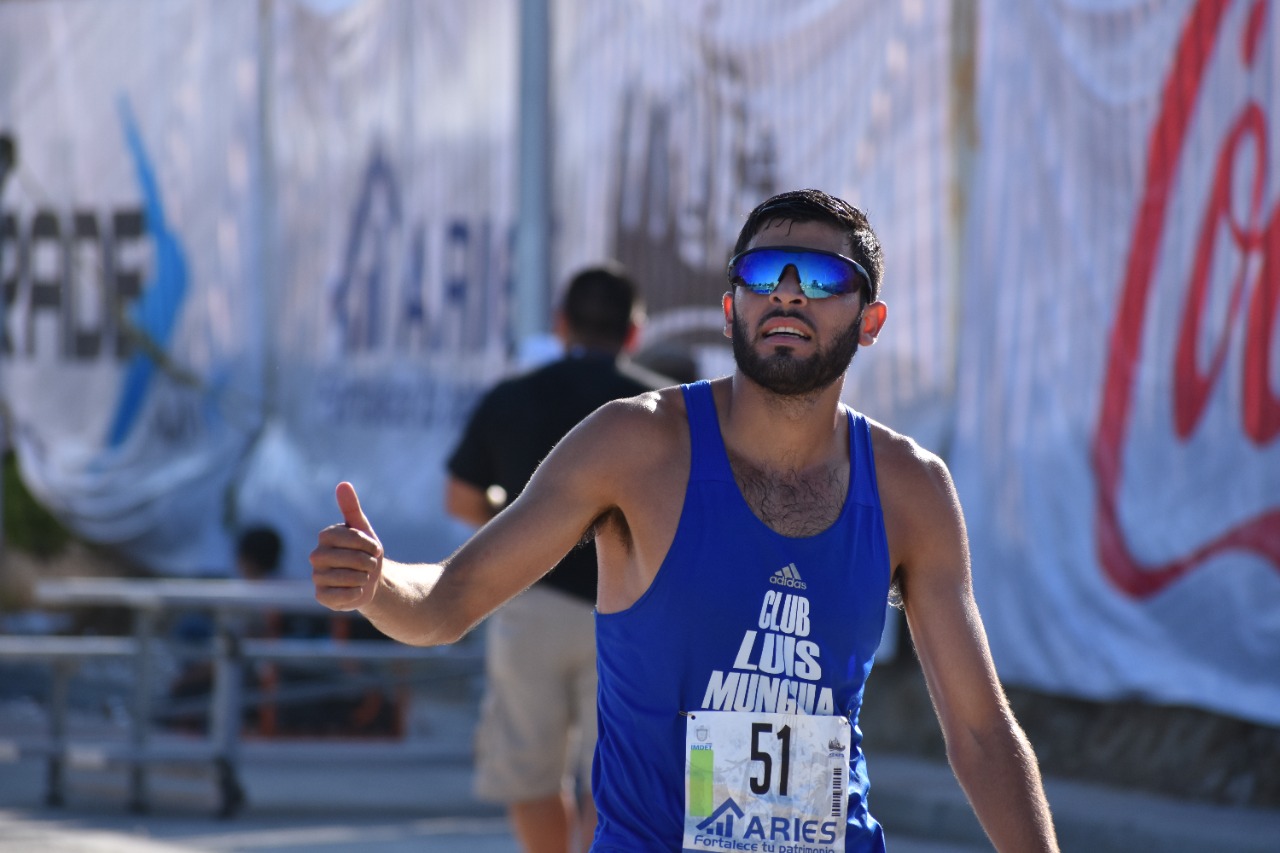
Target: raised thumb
x=352 y=515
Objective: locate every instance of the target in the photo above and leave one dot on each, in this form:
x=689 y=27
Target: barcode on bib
x=837 y=791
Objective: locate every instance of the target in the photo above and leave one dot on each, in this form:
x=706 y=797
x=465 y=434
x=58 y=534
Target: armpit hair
x=611 y=517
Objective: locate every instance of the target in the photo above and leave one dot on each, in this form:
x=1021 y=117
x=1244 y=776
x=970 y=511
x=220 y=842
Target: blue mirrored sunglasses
x=821 y=274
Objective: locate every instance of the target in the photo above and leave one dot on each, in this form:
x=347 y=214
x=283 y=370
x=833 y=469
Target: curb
x=921 y=798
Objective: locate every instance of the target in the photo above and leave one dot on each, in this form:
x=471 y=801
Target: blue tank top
x=674 y=651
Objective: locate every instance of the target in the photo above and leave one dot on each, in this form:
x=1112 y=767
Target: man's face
x=786 y=342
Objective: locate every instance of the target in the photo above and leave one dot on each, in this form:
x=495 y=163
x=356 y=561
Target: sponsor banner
x=131 y=341
x=397 y=158
x=393 y=144
x=1119 y=418
x=372 y=303
x=673 y=119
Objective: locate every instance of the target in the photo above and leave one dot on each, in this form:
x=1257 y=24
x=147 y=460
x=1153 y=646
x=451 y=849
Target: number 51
x=761 y=786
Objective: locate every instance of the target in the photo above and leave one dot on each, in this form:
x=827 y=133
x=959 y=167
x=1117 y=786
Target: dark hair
x=259 y=548
x=817 y=206
x=600 y=304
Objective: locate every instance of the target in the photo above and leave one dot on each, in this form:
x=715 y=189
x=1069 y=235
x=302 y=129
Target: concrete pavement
x=340 y=803
x=329 y=809
x=923 y=799
x=398 y=808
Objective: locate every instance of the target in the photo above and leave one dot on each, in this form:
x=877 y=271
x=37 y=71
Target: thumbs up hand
x=352 y=514
x=346 y=564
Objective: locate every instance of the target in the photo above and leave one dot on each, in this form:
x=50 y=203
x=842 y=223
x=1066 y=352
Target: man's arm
x=433 y=604
x=988 y=750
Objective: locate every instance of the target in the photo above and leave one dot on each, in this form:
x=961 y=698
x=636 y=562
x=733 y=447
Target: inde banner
x=1119 y=449
x=131 y=344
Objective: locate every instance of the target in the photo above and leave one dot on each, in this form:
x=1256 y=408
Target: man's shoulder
x=653 y=422
x=903 y=461
x=651 y=409
x=508 y=386
x=534 y=382
x=625 y=443
x=900 y=448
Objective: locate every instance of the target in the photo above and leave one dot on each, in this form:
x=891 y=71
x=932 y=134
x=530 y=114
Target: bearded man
x=748 y=531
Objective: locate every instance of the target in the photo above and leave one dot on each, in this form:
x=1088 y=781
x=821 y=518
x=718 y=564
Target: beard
x=786 y=374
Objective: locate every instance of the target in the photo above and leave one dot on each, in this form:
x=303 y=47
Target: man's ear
x=726 y=302
x=873 y=317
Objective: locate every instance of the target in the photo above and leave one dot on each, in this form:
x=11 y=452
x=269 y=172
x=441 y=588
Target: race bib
x=773 y=783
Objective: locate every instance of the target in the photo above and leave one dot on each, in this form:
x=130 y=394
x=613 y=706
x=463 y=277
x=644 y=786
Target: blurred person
x=266 y=685
x=258 y=553
x=749 y=531
x=371 y=711
x=538 y=721
x=256 y=557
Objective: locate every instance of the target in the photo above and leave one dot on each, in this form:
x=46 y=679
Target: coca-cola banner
x=673 y=119
x=1118 y=442
x=129 y=245
x=393 y=141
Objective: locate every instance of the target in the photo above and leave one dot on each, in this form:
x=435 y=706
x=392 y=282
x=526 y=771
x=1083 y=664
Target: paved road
x=23 y=833
x=344 y=809
x=324 y=809
x=99 y=833
x=339 y=804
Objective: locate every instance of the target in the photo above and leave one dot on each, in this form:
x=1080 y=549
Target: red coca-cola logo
x=1251 y=230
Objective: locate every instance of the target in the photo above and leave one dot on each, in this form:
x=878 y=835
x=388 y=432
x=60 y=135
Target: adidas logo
x=788 y=576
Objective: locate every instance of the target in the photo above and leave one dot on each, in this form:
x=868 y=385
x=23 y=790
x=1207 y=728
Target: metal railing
x=224 y=747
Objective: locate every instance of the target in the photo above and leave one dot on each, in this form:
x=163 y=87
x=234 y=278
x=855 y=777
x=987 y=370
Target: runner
x=748 y=532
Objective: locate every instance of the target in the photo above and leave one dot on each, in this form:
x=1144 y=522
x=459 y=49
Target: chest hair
x=793 y=503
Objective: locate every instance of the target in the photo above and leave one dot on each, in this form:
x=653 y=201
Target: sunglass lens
x=824 y=275
x=759 y=270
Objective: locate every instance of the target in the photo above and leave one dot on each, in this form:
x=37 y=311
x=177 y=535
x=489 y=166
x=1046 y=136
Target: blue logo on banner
x=155 y=314
x=368 y=260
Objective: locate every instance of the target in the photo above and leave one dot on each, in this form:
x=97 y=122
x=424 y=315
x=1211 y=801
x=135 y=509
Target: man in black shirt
x=538 y=722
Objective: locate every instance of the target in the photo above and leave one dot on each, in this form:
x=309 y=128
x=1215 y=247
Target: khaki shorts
x=537 y=730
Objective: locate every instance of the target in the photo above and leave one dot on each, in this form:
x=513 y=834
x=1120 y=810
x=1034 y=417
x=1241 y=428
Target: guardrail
x=224 y=748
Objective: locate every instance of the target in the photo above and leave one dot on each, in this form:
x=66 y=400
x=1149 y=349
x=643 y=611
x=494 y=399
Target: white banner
x=385 y=210
x=1118 y=448
x=131 y=339
x=675 y=118
x=194 y=245
x=394 y=130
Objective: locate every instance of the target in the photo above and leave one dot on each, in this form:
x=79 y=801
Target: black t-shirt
x=519 y=421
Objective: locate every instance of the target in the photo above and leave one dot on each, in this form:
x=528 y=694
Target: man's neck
x=781 y=431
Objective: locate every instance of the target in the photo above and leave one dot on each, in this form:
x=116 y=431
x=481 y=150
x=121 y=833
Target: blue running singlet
x=739 y=618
